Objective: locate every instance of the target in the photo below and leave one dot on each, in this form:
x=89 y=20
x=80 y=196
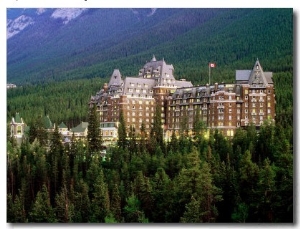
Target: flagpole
x=209 y=74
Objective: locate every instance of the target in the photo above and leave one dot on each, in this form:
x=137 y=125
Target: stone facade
x=17 y=128
x=220 y=106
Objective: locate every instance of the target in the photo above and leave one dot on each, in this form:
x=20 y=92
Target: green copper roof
x=81 y=127
x=47 y=123
x=62 y=125
x=18 y=118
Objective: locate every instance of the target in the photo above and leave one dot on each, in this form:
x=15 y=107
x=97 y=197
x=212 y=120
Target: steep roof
x=81 y=127
x=18 y=118
x=257 y=76
x=47 y=123
x=242 y=75
x=154 y=69
x=62 y=125
x=135 y=86
x=179 y=83
x=115 y=79
x=269 y=76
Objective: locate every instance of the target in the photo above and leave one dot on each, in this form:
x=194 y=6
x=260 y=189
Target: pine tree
x=64 y=208
x=42 y=211
x=143 y=136
x=55 y=161
x=115 y=206
x=100 y=205
x=196 y=179
x=94 y=136
x=133 y=212
x=15 y=209
x=192 y=212
x=122 y=136
x=156 y=133
x=38 y=131
x=266 y=192
x=81 y=203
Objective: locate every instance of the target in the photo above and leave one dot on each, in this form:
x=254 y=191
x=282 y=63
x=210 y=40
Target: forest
x=187 y=38
x=143 y=179
x=198 y=179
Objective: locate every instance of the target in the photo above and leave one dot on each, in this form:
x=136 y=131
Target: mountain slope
x=100 y=40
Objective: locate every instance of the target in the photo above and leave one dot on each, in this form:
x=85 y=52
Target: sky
x=4 y=4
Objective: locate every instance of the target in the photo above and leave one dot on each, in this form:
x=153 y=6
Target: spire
x=257 y=76
x=116 y=78
x=153 y=58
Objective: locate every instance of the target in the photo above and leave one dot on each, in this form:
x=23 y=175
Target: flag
x=212 y=65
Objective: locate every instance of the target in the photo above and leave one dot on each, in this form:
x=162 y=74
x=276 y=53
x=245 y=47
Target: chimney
x=105 y=87
x=216 y=86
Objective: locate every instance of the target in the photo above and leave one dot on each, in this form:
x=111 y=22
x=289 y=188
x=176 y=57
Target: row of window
x=257 y=91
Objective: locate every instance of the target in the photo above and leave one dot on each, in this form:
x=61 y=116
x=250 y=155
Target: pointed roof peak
x=257 y=76
x=153 y=58
x=116 y=78
x=257 y=66
x=18 y=118
x=62 y=125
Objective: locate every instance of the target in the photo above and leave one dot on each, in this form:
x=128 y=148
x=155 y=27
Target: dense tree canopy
x=243 y=179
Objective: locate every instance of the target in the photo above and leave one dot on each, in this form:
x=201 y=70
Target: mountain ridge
x=97 y=41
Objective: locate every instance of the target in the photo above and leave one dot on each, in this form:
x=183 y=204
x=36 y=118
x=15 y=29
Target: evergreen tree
x=55 y=164
x=38 y=131
x=173 y=145
x=94 y=136
x=248 y=178
x=143 y=191
x=64 y=207
x=143 y=137
x=15 y=210
x=42 y=211
x=115 y=206
x=133 y=212
x=132 y=144
x=156 y=133
x=100 y=204
x=163 y=194
x=265 y=192
x=240 y=213
x=196 y=179
x=192 y=212
x=82 y=203
x=122 y=136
